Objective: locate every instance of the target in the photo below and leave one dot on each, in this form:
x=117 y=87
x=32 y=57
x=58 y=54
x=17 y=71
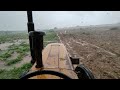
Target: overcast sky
x=17 y=20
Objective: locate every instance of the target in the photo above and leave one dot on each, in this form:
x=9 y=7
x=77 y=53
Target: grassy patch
x=14 y=73
x=6 y=55
x=10 y=36
x=50 y=36
x=45 y=44
x=22 y=49
x=14 y=61
x=2 y=70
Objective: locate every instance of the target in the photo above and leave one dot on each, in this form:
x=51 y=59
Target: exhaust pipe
x=36 y=42
x=37 y=46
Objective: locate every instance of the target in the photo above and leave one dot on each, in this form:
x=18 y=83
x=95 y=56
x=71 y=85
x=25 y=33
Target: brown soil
x=103 y=63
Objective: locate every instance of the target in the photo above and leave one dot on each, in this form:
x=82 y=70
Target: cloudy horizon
x=17 y=20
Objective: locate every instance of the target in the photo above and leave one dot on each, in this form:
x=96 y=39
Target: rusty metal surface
x=55 y=57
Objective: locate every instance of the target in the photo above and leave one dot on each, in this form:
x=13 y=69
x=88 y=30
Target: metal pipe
x=29 y=14
x=30 y=21
x=37 y=45
x=30 y=26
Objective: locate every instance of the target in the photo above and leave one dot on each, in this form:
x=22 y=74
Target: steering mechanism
x=41 y=72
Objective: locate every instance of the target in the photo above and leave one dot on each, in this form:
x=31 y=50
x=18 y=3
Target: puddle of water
x=26 y=59
x=13 y=56
x=5 y=46
x=20 y=41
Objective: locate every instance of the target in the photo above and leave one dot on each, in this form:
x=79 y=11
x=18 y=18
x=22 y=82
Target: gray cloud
x=17 y=20
x=13 y=20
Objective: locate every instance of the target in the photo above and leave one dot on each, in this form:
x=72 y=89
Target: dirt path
x=103 y=63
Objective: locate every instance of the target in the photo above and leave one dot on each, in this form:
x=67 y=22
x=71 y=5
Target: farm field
x=15 y=52
x=98 y=48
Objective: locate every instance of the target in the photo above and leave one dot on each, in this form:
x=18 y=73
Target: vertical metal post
x=30 y=21
x=30 y=25
x=36 y=42
x=37 y=45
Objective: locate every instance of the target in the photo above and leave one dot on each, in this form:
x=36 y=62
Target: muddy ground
x=5 y=46
x=97 y=48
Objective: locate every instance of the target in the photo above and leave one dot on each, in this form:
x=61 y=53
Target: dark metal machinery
x=30 y=21
x=36 y=42
x=30 y=25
